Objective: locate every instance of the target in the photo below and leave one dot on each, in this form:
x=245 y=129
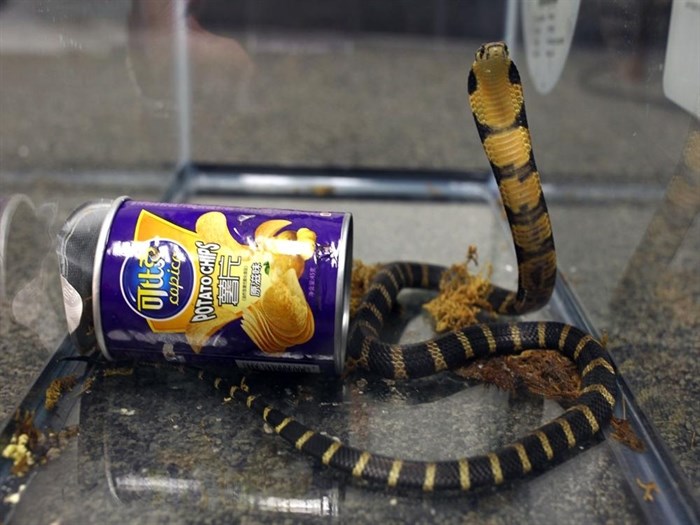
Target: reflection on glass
x=218 y=64
x=27 y=269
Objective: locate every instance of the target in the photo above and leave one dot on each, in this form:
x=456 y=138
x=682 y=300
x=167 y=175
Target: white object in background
x=511 y=27
x=548 y=28
x=682 y=67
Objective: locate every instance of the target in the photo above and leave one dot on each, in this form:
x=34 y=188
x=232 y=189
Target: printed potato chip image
x=212 y=227
x=301 y=243
x=198 y=334
x=258 y=329
x=287 y=235
x=282 y=318
x=270 y=228
x=284 y=302
x=304 y=234
x=257 y=281
x=308 y=237
x=282 y=263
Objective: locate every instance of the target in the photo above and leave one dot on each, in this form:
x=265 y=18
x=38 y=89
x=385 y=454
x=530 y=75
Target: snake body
x=496 y=98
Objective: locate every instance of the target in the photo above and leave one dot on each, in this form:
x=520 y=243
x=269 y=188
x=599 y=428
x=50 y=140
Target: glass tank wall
x=360 y=106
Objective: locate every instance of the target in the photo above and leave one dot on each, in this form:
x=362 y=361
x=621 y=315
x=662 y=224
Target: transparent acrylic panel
x=74 y=97
x=104 y=98
x=157 y=443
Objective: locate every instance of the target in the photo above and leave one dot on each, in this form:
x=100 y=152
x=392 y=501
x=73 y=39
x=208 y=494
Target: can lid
x=342 y=300
x=77 y=245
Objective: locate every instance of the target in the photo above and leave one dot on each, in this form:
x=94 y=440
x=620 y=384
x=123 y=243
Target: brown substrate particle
x=462 y=295
x=623 y=432
x=542 y=372
x=29 y=446
x=649 y=488
x=22 y=444
x=57 y=388
x=88 y=384
x=362 y=275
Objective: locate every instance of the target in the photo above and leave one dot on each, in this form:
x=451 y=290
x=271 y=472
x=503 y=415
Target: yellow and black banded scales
x=496 y=97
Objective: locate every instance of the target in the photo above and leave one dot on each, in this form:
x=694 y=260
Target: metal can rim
x=342 y=298
x=97 y=273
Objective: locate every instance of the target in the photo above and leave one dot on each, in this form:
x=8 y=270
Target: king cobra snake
x=496 y=97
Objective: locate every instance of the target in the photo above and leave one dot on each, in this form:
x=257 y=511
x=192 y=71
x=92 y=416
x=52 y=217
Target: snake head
x=492 y=50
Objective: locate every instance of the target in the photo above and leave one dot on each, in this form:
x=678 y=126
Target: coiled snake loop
x=496 y=97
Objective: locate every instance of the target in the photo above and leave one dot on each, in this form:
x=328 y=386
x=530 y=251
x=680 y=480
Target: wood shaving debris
x=542 y=372
x=624 y=433
x=29 y=446
x=362 y=276
x=57 y=388
x=462 y=296
x=461 y=299
x=649 y=488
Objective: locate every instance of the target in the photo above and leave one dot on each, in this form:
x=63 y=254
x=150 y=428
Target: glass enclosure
x=355 y=106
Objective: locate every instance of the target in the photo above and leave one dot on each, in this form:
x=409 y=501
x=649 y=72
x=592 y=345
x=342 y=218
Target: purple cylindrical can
x=259 y=288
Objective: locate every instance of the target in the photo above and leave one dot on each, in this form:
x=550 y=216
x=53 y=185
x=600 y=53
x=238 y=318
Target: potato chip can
x=263 y=289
